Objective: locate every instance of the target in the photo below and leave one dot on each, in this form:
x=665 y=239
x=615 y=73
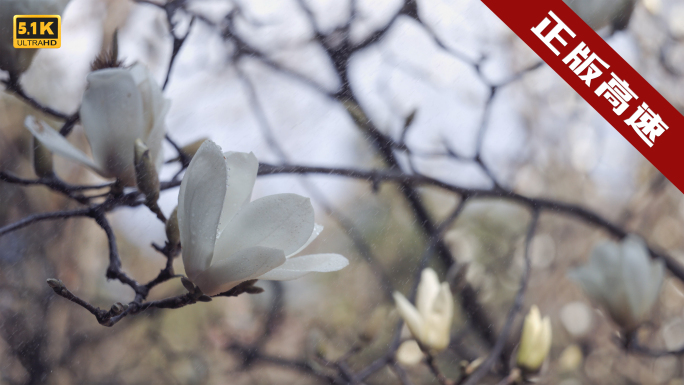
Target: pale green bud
x=535 y=341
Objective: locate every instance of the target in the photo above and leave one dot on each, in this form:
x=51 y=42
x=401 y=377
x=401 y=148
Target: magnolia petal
x=58 y=144
x=636 y=278
x=281 y=221
x=112 y=116
x=156 y=137
x=410 y=315
x=199 y=201
x=528 y=339
x=428 y=288
x=297 y=267
x=437 y=333
x=603 y=279
x=409 y=353
x=314 y=234
x=152 y=97
x=242 y=172
x=606 y=263
x=444 y=303
x=546 y=339
x=591 y=281
x=155 y=108
x=245 y=265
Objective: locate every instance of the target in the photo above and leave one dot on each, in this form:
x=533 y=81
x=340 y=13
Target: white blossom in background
x=653 y=6
x=430 y=320
x=623 y=279
x=602 y=13
x=13 y=60
x=535 y=341
x=409 y=353
x=119 y=106
x=675 y=19
x=227 y=239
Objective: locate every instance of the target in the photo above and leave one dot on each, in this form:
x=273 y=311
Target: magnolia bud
x=189 y=286
x=570 y=359
x=535 y=341
x=145 y=172
x=254 y=290
x=190 y=150
x=42 y=160
x=117 y=308
x=146 y=177
x=172 y=230
x=55 y=284
x=409 y=353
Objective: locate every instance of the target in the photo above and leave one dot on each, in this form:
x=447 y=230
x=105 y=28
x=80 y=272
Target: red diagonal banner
x=601 y=76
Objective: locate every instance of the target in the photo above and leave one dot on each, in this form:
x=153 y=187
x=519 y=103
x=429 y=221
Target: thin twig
x=41 y=217
x=501 y=340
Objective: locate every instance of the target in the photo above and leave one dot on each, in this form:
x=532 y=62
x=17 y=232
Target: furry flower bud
x=145 y=172
x=172 y=230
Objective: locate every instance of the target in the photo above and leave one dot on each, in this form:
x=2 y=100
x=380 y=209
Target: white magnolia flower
x=119 y=106
x=623 y=279
x=535 y=341
x=12 y=59
x=227 y=239
x=430 y=320
x=601 y=13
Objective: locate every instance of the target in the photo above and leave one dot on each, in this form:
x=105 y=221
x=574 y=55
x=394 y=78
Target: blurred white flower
x=227 y=239
x=14 y=60
x=653 y=6
x=119 y=106
x=570 y=359
x=430 y=320
x=675 y=20
x=623 y=279
x=409 y=353
x=601 y=13
x=535 y=341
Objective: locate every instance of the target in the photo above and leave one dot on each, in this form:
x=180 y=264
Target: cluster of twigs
x=98 y=200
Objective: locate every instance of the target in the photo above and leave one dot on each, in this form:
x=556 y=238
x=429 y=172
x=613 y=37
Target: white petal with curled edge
x=281 y=221
x=297 y=267
x=112 y=116
x=245 y=265
x=199 y=206
x=314 y=234
x=58 y=144
x=242 y=172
